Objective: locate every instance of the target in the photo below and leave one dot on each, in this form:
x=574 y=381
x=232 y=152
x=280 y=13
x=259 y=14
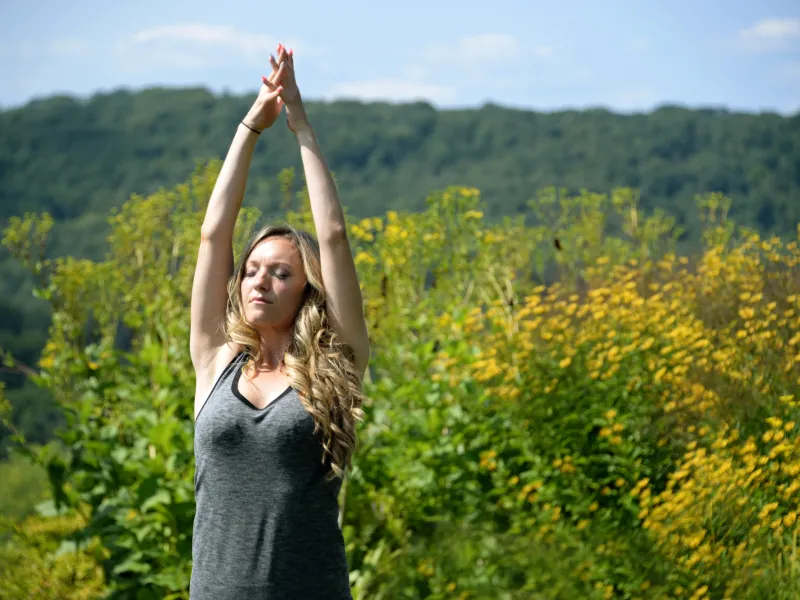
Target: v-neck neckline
x=243 y=398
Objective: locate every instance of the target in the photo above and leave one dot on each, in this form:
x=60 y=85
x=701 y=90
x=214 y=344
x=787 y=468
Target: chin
x=263 y=316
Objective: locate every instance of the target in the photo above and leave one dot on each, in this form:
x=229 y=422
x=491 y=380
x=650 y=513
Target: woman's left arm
x=344 y=300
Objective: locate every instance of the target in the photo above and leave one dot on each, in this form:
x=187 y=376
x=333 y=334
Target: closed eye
x=279 y=274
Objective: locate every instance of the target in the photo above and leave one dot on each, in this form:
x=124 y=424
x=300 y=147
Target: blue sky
x=624 y=55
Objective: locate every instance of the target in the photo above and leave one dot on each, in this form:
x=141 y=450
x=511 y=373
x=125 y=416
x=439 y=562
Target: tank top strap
x=227 y=373
x=230 y=368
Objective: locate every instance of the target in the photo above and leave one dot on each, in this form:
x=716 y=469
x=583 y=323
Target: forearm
x=325 y=205
x=226 y=198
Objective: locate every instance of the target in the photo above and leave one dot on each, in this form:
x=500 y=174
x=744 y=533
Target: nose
x=262 y=283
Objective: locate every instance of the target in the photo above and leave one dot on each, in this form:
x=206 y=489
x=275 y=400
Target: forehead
x=275 y=249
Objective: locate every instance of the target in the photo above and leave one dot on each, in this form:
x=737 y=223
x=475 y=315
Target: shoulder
x=208 y=374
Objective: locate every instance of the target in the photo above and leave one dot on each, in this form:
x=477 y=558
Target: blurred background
x=561 y=142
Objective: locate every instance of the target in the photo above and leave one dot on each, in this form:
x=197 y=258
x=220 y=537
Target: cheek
x=293 y=293
x=285 y=290
x=244 y=291
x=299 y=289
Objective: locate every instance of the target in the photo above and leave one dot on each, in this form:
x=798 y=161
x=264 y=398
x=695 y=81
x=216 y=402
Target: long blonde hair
x=320 y=366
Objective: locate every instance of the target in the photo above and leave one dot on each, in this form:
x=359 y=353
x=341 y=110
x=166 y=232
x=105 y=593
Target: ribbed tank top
x=266 y=521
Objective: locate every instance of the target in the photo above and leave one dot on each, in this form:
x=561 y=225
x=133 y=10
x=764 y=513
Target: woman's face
x=273 y=283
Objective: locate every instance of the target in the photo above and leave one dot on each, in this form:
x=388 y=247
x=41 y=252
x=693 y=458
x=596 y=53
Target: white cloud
x=770 y=34
x=189 y=46
x=393 y=90
x=482 y=49
x=488 y=60
x=634 y=99
x=224 y=36
x=486 y=47
x=440 y=71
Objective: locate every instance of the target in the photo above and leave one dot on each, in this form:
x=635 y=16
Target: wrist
x=254 y=117
x=296 y=117
x=250 y=127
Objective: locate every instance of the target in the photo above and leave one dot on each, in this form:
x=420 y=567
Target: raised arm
x=215 y=256
x=344 y=301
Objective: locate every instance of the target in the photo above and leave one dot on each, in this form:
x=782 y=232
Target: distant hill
x=78 y=159
x=75 y=157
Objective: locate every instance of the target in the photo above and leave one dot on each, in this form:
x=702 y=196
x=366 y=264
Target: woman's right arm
x=215 y=256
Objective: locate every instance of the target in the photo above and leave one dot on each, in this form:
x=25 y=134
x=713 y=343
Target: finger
x=283 y=54
x=276 y=76
x=273 y=63
x=274 y=94
x=269 y=83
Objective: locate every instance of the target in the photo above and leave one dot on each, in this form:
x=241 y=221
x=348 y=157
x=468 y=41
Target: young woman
x=279 y=345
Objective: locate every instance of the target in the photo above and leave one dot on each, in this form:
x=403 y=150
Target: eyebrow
x=251 y=263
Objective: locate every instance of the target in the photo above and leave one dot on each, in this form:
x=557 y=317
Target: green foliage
x=41 y=562
x=25 y=485
x=77 y=160
x=525 y=438
x=116 y=362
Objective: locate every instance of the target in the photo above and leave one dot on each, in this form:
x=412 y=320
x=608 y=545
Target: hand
x=268 y=104
x=290 y=94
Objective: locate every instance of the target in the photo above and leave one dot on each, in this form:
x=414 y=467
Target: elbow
x=333 y=235
x=209 y=234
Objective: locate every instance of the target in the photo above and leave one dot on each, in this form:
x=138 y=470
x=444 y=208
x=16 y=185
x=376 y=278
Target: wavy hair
x=320 y=366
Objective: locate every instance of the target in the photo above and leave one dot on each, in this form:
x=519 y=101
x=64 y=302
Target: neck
x=274 y=343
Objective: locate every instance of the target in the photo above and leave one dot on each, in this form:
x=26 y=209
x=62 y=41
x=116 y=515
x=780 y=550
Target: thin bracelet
x=256 y=131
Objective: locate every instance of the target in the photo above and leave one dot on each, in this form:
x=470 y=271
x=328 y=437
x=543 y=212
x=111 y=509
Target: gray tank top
x=266 y=521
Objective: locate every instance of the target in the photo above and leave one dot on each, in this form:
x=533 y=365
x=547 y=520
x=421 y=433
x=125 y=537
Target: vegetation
x=78 y=160
x=567 y=408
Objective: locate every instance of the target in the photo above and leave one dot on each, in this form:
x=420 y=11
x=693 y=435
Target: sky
x=624 y=55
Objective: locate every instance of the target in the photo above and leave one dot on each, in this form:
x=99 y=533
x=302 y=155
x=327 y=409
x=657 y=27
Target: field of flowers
x=558 y=409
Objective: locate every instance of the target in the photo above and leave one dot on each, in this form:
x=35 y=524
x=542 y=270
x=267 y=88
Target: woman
x=279 y=345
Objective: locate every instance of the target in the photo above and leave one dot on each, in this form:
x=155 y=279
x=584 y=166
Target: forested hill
x=76 y=159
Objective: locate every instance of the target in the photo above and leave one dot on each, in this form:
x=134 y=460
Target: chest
x=235 y=433
x=261 y=389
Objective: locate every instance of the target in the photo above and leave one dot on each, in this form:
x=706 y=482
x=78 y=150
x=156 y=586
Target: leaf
x=47 y=508
x=66 y=547
x=160 y=497
x=172 y=580
x=146 y=489
x=132 y=564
